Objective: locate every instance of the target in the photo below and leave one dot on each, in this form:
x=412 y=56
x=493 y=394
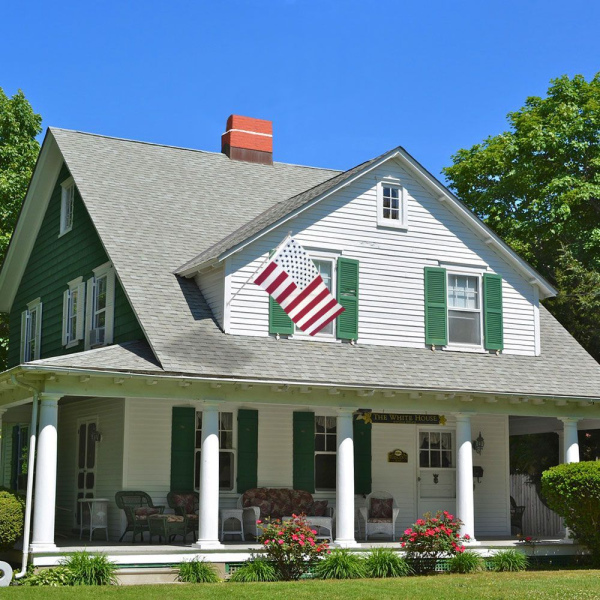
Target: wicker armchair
x=138 y=506
x=185 y=504
x=516 y=515
x=379 y=514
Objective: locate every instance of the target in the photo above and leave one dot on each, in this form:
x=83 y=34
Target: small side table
x=98 y=511
x=232 y=513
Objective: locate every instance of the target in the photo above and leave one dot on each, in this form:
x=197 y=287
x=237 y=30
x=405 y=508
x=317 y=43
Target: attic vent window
x=391 y=205
x=66 y=206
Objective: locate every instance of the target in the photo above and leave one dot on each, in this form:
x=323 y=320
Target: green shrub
x=341 y=564
x=467 y=562
x=56 y=577
x=256 y=569
x=12 y=517
x=573 y=491
x=197 y=571
x=383 y=562
x=90 y=569
x=509 y=560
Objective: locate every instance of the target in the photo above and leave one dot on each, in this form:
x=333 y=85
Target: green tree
x=538 y=186
x=19 y=149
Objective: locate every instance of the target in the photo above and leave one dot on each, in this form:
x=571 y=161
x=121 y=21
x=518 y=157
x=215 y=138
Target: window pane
x=91 y=449
x=319 y=443
x=198 y=420
x=331 y=424
x=423 y=440
x=226 y=421
x=463 y=291
x=89 y=481
x=325 y=471
x=464 y=327
x=435 y=459
x=226 y=465
x=446 y=459
x=81 y=454
x=226 y=440
x=320 y=424
x=331 y=443
x=434 y=440
x=325 y=269
x=446 y=440
x=424 y=458
x=197 y=470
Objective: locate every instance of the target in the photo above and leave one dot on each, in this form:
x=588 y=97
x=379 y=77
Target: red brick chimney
x=248 y=139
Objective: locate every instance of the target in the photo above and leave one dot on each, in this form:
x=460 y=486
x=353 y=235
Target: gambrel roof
x=156 y=206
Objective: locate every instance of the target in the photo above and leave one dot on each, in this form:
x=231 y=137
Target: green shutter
x=304 y=451
x=279 y=322
x=347 y=296
x=492 y=312
x=362 y=457
x=247 y=450
x=436 y=317
x=183 y=447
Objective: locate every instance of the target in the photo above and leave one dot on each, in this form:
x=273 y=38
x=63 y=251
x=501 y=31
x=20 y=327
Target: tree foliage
x=19 y=149
x=538 y=186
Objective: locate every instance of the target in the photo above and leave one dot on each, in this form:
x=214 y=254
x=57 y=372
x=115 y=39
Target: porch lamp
x=478 y=444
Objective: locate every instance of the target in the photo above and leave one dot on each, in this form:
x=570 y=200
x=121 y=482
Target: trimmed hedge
x=573 y=491
x=12 y=517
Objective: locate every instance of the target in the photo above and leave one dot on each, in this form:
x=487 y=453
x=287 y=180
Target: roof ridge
x=172 y=147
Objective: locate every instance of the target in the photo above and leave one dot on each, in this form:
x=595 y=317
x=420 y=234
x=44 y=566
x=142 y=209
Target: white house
x=159 y=365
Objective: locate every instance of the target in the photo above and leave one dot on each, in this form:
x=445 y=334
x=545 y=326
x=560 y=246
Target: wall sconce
x=96 y=436
x=478 y=444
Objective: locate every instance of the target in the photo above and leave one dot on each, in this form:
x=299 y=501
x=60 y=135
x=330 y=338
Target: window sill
x=65 y=231
x=400 y=226
x=72 y=344
x=465 y=348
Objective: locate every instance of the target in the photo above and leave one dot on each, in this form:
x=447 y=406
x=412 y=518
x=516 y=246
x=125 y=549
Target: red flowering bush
x=431 y=538
x=291 y=545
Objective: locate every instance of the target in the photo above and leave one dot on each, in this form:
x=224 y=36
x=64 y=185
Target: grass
x=573 y=584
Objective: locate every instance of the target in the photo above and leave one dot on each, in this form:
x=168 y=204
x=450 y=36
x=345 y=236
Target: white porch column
x=464 y=475
x=570 y=441
x=344 y=514
x=208 y=536
x=44 y=507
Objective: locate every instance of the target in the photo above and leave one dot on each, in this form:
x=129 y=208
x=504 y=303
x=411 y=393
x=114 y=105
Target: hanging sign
x=397 y=456
x=373 y=417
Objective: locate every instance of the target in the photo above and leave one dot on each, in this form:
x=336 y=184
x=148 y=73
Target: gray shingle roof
x=154 y=205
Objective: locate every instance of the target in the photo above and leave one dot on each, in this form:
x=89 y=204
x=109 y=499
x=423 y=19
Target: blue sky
x=342 y=81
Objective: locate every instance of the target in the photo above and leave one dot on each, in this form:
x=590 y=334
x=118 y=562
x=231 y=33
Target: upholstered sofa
x=278 y=503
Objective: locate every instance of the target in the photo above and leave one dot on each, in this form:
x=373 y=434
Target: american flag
x=294 y=282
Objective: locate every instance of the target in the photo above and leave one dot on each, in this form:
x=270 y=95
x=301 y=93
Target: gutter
x=30 y=471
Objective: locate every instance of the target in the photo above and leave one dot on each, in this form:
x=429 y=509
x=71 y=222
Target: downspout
x=30 y=469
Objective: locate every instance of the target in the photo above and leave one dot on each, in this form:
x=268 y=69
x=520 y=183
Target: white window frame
x=73 y=297
x=402 y=221
x=437 y=429
x=469 y=272
x=27 y=336
x=328 y=452
x=105 y=270
x=323 y=257
x=67 y=204
x=232 y=450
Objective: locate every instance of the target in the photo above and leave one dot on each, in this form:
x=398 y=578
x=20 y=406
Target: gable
x=53 y=262
x=392 y=262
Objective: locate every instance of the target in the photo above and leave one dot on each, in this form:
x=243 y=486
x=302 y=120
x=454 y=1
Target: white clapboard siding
x=275 y=439
x=391 y=264
x=538 y=519
x=211 y=285
x=109 y=460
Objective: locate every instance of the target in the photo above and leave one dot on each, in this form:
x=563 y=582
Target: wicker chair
x=379 y=514
x=138 y=506
x=516 y=515
x=185 y=504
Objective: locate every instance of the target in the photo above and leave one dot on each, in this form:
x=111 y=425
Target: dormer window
x=66 y=206
x=391 y=204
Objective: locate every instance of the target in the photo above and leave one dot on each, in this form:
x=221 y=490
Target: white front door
x=86 y=467
x=436 y=472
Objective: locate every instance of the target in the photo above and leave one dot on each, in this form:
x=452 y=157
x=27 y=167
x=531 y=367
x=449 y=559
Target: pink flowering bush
x=431 y=538
x=291 y=545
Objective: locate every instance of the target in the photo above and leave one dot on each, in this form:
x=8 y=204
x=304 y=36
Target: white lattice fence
x=538 y=520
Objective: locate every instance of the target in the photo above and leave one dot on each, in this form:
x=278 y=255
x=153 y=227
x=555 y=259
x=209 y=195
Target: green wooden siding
x=347 y=296
x=436 y=321
x=362 y=457
x=492 y=312
x=304 y=451
x=53 y=262
x=247 y=471
x=183 y=445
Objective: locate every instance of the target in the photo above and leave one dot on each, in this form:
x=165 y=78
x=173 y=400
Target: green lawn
x=567 y=585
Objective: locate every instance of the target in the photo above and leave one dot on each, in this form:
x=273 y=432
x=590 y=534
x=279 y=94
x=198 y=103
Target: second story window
x=464 y=309
x=100 y=307
x=73 y=313
x=31 y=331
x=391 y=205
x=66 y=206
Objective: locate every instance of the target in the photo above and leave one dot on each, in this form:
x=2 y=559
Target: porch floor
x=145 y=554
